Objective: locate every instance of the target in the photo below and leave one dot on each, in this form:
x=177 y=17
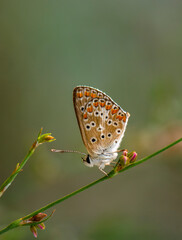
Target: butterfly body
x=102 y=124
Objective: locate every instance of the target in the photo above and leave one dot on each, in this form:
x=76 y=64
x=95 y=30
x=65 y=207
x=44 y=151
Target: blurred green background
x=132 y=50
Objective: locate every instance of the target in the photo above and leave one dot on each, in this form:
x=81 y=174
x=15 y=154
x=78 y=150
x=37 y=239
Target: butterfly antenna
x=67 y=151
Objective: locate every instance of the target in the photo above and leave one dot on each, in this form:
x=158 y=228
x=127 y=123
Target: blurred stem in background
x=19 y=167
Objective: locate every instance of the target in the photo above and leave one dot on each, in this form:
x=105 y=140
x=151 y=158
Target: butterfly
x=102 y=124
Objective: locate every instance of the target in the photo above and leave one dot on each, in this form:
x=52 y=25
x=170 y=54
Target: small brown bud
x=38 y=217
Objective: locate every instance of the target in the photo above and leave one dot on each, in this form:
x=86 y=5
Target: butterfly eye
x=88 y=159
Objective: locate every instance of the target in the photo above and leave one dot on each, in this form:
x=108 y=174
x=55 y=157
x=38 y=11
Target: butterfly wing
x=102 y=122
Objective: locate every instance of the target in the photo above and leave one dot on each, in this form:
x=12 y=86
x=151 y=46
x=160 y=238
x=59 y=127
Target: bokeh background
x=132 y=50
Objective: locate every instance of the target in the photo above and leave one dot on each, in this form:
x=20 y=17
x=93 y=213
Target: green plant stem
x=40 y=139
x=11 y=178
x=17 y=222
x=12 y=225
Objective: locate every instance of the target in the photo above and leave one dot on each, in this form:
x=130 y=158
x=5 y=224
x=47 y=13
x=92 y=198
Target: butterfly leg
x=103 y=171
x=121 y=150
x=112 y=164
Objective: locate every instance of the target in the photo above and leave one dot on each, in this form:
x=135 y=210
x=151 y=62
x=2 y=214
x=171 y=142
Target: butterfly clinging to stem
x=102 y=124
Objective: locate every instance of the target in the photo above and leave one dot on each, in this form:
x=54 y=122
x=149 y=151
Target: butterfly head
x=88 y=161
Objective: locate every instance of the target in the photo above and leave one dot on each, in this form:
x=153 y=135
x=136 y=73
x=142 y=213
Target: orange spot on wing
x=96 y=104
x=93 y=95
x=102 y=104
x=119 y=117
x=85 y=115
x=79 y=94
x=108 y=107
x=113 y=111
x=124 y=118
x=87 y=94
x=90 y=109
